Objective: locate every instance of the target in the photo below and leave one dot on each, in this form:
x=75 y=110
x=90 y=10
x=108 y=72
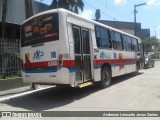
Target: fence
x=10 y=64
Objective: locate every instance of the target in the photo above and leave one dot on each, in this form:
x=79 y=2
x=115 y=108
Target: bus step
x=85 y=84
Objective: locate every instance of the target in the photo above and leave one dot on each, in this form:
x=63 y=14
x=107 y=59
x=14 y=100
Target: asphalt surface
x=127 y=93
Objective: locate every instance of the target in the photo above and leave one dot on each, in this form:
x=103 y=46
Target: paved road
x=129 y=92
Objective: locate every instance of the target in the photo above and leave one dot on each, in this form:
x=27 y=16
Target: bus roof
x=73 y=14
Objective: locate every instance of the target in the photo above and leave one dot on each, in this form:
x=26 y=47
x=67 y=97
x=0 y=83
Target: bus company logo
x=103 y=55
x=53 y=54
x=38 y=54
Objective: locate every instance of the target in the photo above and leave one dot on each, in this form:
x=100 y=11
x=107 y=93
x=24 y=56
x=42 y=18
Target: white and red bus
x=59 y=47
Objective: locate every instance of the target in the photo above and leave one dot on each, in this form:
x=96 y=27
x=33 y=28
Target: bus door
x=82 y=54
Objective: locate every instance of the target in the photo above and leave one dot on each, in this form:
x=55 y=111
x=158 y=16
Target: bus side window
x=134 y=44
x=97 y=32
x=129 y=42
x=137 y=45
x=117 y=40
x=103 y=37
x=125 y=43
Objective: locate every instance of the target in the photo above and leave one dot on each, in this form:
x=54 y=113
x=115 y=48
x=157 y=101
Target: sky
x=123 y=10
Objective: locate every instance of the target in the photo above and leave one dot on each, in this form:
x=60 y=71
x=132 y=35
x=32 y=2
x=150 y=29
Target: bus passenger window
x=135 y=44
x=117 y=41
x=103 y=38
x=127 y=41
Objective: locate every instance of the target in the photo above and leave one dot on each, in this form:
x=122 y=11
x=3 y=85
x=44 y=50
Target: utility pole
x=135 y=12
x=135 y=22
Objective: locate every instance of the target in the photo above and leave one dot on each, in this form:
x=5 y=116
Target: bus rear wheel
x=32 y=86
x=105 y=77
x=137 y=68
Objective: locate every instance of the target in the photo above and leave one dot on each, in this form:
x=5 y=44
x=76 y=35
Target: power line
x=100 y=11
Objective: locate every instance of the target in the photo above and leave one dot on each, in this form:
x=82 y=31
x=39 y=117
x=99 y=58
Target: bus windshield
x=40 y=29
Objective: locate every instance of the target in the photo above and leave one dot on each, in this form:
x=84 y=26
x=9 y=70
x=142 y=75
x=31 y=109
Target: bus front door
x=82 y=54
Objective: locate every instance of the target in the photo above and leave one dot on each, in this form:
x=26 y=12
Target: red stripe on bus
x=113 y=61
x=66 y=63
x=70 y=63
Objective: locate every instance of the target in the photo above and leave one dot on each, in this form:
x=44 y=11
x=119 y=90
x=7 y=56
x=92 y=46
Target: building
x=16 y=14
x=145 y=33
x=128 y=27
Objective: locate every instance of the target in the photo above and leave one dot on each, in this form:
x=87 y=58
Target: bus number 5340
x=52 y=63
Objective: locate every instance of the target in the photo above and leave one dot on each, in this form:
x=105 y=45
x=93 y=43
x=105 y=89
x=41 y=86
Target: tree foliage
x=71 y=5
x=149 y=42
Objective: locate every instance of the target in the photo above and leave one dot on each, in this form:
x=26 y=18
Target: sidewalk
x=12 y=83
x=156 y=59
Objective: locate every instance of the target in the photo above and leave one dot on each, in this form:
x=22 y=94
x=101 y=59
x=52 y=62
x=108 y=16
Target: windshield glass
x=40 y=29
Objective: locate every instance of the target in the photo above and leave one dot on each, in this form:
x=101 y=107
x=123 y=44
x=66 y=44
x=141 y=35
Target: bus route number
x=52 y=63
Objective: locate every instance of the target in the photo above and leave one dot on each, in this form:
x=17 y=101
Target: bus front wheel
x=105 y=77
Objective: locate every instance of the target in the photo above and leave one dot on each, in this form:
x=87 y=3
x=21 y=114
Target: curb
x=14 y=91
x=12 y=78
x=12 y=83
x=156 y=59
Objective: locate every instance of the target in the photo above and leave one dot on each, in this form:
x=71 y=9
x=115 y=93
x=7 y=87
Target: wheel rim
x=105 y=76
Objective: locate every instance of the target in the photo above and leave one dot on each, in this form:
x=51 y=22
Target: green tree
x=149 y=42
x=71 y=5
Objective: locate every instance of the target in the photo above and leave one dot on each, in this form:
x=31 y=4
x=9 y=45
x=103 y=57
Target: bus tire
x=32 y=86
x=153 y=65
x=105 y=77
x=137 y=68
